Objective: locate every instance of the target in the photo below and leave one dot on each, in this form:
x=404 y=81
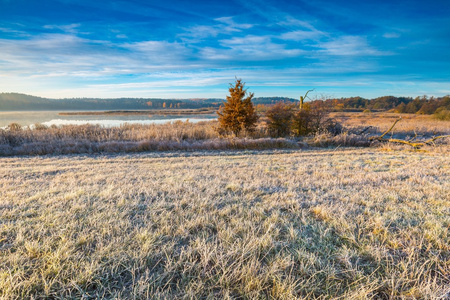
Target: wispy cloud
x=222 y=26
x=291 y=22
x=350 y=46
x=250 y=48
x=70 y=28
x=301 y=35
x=391 y=35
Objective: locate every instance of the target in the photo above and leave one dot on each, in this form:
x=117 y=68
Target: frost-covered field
x=353 y=223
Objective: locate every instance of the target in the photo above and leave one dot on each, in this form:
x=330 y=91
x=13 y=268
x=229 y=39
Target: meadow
x=276 y=224
x=83 y=215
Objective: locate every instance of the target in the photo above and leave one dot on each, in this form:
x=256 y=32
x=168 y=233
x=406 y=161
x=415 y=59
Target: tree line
x=288 y=118
x=419 y=105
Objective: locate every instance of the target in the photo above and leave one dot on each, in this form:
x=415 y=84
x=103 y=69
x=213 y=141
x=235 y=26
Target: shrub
x=314 y=119
x=280 y=118
x=302 y=122
x=442 y=114
x=332 y=127
x=39 y=126
x=14 y=127
x=237 y=113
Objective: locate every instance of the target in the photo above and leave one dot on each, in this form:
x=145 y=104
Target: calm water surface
x=27 y=118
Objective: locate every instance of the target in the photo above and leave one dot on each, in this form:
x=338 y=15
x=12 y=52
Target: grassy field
x=348 y=224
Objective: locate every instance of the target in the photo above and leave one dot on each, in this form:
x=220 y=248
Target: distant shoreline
x=160 y=112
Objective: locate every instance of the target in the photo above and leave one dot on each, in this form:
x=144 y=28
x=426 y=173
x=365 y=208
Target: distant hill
x=22 y=102
x=272 y=100
x=13 y=101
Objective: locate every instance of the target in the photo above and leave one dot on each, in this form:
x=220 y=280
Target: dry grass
x=74 y=139
x=410 y=124
x=353 y=224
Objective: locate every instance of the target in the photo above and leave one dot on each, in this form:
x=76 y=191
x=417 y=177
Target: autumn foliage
x=280 y=118
x=237 y=114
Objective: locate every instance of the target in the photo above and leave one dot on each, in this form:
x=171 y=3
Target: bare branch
x=364 y=130
x=302 y=98
x=392 y=127
x=413 y=142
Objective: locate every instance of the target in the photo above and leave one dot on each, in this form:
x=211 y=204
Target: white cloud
x=191 y=81
x=233 y=24
x=52 y=55
x=225 y=25
x=301 y=35
x=250 y=48
x=391 y=35
x=291 y=22
x=14 y=32
x=349 y=46
x=70 y=28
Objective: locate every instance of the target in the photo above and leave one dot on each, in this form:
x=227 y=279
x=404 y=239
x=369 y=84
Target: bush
x=237 y=113
x=280 y=118
x=332 y=127
x=14 y=127
x=314 y=119
x=442 y=114
x=39 y=126
x=302 y=123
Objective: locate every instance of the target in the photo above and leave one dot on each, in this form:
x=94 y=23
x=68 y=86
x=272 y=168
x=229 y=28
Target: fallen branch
x=364 y=130
x=413 y=142
x=392 y=127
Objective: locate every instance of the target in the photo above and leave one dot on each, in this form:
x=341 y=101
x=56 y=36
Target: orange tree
x=238 y=112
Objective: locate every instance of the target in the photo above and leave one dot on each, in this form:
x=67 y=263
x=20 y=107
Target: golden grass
x=73 y=139
x=345 y=224
x=410 y=123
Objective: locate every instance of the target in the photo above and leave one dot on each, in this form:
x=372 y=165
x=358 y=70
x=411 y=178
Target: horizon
x=79 y=49
x=224 y=98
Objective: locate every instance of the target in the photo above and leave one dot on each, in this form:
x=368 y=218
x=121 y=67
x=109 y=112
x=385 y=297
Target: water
x=29 y=118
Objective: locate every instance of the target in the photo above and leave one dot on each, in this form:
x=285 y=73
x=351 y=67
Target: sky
x=195 y=49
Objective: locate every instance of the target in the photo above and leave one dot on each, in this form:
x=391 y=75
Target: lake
x=27 y=118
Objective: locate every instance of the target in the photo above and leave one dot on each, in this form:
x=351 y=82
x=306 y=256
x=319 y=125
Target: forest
x=420 y=105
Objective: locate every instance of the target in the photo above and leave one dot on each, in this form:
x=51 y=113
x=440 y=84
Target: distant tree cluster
x=21 y=102
x=418 y=105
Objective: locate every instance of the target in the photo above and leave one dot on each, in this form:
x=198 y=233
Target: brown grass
x=410 y=124
x=204 y=136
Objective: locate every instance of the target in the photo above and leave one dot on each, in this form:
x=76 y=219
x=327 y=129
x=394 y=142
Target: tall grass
x=40 y=140
x=127 y=138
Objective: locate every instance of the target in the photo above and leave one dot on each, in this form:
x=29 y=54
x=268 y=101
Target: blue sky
x=183 y=49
